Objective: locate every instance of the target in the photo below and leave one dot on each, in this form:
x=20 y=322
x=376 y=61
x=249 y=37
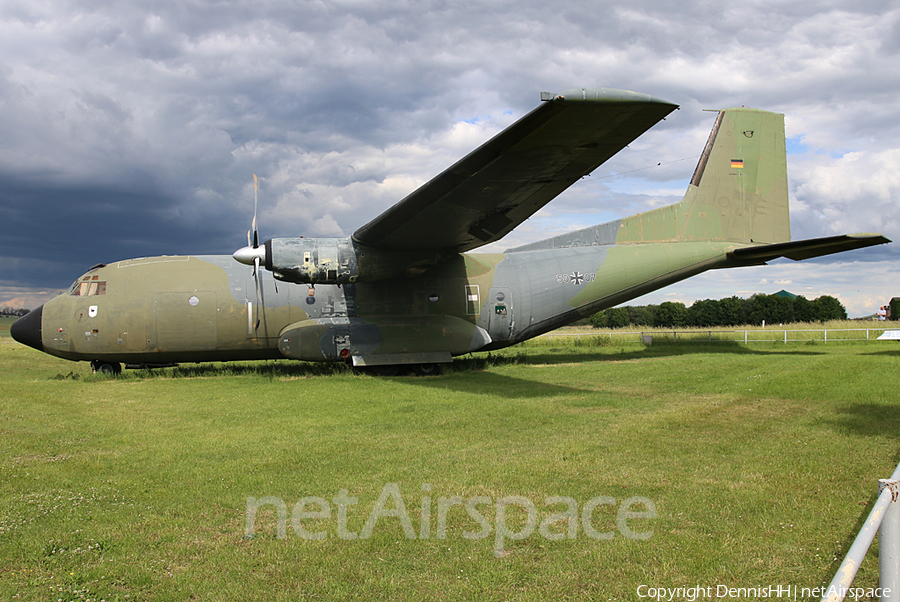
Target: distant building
x=784 y=293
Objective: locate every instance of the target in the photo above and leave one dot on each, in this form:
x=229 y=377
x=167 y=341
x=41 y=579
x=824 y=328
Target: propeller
x=253 y=254
x=255 y=208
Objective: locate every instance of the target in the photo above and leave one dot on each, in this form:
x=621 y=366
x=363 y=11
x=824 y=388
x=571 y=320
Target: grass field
x=742 y=466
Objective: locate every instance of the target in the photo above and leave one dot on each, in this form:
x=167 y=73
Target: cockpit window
x=88 y=287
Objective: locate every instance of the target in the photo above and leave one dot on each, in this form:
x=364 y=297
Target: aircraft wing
x=507 y=179
x=807 y=249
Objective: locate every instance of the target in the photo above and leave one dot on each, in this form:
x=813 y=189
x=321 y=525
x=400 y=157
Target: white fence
x=731 y=336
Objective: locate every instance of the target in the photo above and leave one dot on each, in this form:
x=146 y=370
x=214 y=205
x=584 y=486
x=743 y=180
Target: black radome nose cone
x=27 y=329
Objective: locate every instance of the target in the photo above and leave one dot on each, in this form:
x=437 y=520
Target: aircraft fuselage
x=172 y=309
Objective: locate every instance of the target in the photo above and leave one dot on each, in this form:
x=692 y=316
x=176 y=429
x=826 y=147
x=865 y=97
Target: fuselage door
x=186 y=321
x=500 y=313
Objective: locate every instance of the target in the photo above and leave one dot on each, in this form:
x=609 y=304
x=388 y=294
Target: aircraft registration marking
x=576 y=277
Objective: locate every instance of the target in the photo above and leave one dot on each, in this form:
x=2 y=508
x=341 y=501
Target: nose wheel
x=106 y=368
x=427 y=369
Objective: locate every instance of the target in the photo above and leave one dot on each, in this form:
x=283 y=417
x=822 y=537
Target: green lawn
x=759 y=463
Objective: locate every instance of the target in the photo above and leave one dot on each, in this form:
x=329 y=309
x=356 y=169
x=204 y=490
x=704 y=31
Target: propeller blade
x=253 y=255
x=255 y=207
x=258 y=294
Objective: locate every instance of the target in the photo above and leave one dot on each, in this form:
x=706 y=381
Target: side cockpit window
x=88 y=286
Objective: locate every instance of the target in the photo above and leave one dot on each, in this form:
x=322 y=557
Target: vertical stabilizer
x=738 y=192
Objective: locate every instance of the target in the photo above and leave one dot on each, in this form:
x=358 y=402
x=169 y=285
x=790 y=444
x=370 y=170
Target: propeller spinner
x=250 y=255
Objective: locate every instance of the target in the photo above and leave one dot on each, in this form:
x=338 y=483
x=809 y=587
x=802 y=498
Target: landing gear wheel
x=106 y=368
x=427 y=369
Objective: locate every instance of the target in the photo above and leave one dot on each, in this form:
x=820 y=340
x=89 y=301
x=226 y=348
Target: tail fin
x=738 y=192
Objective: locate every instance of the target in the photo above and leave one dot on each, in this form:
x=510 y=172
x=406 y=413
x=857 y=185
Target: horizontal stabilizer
x=807 y=249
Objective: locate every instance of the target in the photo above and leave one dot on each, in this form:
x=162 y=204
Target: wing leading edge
x=506 y=180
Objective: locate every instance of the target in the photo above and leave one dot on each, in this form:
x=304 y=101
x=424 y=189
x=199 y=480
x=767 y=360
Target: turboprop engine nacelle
x=334 y=260
x=313 y=260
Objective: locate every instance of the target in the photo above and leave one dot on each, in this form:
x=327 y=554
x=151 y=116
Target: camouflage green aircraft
x=404 y=290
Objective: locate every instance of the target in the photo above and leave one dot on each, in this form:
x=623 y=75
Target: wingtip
x=884 y=239
x=607 y=95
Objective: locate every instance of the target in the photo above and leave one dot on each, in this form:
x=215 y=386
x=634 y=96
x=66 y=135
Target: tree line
x=732 y=311
x=10 y=311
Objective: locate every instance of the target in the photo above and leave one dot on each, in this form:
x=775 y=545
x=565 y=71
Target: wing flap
x=506 y=180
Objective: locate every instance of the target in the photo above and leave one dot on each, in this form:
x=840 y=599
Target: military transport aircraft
x=404 y=290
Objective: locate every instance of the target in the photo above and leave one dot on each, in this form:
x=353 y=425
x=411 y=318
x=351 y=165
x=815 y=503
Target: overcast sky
x=133 y=128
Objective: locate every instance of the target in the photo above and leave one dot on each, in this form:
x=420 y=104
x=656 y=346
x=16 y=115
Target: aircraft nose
x=27 y=329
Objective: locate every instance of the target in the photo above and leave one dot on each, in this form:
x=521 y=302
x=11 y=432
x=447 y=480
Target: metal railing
x=884 y=519
x=779 y=335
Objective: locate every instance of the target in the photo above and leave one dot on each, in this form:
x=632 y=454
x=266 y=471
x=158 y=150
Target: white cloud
x=857 y=192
